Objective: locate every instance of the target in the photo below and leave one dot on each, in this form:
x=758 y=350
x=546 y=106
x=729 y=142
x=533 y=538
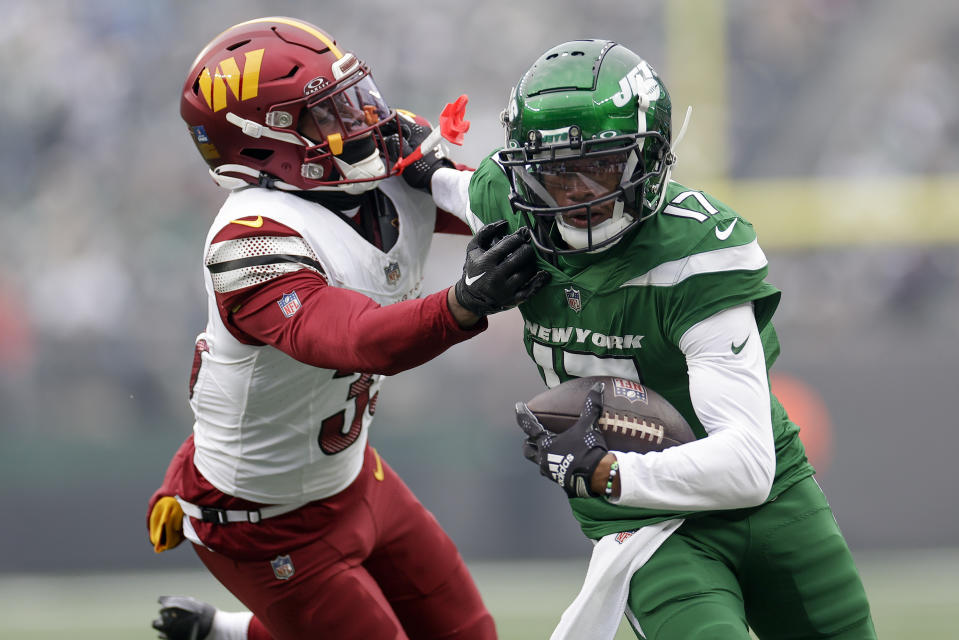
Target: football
x=634 y=417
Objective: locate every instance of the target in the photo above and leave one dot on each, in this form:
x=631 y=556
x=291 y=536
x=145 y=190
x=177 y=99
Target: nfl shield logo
x=392 y=272
x=623 y=536
x=289 y=304
x=199 y=134
x=282 y=567
x=574 y=299
x=629 y=389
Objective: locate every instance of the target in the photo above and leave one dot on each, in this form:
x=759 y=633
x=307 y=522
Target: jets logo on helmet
x=640 y=82
x=555 y=136
x=587 y=149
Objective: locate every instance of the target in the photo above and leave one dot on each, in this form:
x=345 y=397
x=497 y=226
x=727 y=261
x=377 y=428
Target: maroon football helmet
x=275 y=102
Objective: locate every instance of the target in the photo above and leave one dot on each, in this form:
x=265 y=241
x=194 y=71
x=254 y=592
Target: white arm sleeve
x=734 y=466
x=450 y=189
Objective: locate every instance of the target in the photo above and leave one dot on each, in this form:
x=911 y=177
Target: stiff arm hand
x=500 y=271
x=401 y=144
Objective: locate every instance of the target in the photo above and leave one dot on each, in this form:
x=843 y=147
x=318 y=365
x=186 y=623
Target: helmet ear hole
x=260 y=155
x=289 y=74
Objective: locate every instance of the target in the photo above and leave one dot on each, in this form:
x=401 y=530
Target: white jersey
x=269 y=428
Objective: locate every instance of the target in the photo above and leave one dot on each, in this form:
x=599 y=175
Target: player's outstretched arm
x=499 y=273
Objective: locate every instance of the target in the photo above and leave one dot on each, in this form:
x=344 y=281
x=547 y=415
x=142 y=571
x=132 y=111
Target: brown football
x=634 y=418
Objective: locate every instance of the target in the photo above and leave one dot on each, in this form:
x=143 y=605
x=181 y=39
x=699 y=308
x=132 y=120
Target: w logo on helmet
x=244 y=85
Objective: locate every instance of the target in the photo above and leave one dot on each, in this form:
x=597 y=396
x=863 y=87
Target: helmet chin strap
x=232 y=182
x=682 y=129
x=672 y=161
x=579 y=238
x=369 y=167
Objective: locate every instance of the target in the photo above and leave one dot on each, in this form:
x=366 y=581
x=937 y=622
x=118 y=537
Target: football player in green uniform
x=661 y=283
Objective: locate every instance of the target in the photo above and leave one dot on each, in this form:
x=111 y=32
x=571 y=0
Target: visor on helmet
x=348 y=124
x=589 y=191
x=349 y=111
x=581 y=179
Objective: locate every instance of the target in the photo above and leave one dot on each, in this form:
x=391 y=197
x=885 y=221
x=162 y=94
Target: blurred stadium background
x=831 y=124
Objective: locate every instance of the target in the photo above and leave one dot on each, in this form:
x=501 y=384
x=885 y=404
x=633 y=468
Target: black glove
x=410 y=136
x=184 y=617
x=571 y=457
x=500 y=270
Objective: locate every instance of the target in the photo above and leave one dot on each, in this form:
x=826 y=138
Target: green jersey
x=622 y=312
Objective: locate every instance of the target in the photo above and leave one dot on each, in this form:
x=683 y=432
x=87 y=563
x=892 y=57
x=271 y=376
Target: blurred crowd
x=105 y=202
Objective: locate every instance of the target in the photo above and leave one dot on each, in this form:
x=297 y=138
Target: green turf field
x=914 y=595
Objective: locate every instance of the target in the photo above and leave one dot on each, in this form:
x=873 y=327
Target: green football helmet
x=587 y=145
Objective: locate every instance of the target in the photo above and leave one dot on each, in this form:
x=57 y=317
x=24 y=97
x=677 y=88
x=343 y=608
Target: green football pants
x=782 y=568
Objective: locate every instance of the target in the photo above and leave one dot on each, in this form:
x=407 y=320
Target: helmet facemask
x=344 y=128
x=587 y=193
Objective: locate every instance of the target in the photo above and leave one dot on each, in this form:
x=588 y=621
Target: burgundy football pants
x=380 y=567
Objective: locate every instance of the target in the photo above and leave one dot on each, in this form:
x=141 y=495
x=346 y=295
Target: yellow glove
x=166 y=524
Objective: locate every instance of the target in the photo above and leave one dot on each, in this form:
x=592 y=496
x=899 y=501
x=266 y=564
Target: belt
x=224 y=516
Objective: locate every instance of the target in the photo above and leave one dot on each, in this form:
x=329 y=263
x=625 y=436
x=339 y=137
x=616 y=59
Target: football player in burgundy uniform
x=313 y=268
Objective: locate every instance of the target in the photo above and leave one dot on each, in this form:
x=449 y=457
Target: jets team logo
x=392 y=272
x=554 y=136
x=632 y=391
x=574 y=299
x=289 y=304
x=640 y=82
x=282 y=567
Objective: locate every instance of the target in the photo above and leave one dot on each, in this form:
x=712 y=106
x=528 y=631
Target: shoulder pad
x=252 y=250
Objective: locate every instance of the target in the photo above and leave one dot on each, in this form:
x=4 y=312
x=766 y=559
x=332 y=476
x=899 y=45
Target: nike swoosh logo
x=378 y=472
x=256 y=224
x=736 y=349
x=469 y=281
x=722 y=235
